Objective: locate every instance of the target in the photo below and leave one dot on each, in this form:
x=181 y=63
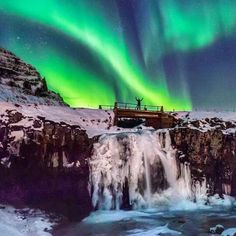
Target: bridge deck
x=154 y=115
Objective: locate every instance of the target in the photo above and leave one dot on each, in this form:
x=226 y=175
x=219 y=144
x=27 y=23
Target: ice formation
x=144 y=163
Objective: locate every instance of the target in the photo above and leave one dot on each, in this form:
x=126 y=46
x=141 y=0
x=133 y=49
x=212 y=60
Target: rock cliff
x=44 y=152
x=210 y=154
x=20 y=82
x=209 y=145
x=44 y=164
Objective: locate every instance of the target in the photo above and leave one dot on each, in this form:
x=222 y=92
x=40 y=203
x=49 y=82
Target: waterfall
x=147 y=162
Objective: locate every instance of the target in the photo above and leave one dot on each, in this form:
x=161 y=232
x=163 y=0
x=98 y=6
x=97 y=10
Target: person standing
x=138 y=103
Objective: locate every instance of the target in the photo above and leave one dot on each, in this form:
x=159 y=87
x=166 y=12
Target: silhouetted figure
x=138 y=103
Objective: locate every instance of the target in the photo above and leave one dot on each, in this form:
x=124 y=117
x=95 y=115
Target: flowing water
x=152 y=222
x=140 y=170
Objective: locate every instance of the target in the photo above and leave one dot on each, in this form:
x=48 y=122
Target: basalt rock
x=211 y=155
x=44 y=164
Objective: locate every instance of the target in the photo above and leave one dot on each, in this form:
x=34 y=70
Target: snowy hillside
x=20 y=82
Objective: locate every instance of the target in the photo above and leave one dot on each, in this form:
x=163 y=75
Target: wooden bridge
x=154 y=115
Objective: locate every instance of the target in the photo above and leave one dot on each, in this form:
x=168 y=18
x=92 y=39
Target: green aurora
x=96 y=51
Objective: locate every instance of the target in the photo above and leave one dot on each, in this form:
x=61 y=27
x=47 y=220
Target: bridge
x=154 y=115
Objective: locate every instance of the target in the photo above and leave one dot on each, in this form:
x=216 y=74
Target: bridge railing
x=131 y=106
x=106 y=107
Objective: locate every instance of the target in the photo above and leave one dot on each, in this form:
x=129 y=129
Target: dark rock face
x=211 y=155
x=20 y=82
x=44 y=165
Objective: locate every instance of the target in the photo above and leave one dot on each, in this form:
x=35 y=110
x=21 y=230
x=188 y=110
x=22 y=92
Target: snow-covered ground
x=229 y=232
x=205 y=121
x=94 y=121
x=200 y=115
x=24 y=222
x=97 y=121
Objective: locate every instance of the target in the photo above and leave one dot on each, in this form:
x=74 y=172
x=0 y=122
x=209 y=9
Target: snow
x=98 y=121
x=229 y=232
x=200 y=115
x=161 y=230
x=17 y=95
x=14 y=223
x=217 y=228
x=17 y=134
x=94 y=121
x=207 y=120
x=25 y=122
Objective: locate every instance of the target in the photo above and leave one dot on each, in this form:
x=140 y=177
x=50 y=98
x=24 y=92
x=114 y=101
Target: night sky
x=176 y=53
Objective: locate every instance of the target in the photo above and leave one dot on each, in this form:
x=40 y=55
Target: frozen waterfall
x=143 y=166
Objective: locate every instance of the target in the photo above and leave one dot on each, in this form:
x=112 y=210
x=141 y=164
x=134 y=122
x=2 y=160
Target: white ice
x=13 y=223
x=130 y=156
x=229 y=232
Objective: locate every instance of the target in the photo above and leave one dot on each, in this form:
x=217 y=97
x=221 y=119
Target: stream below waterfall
x=151 y=222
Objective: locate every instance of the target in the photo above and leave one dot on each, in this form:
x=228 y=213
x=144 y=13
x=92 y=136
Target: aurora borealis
x=176 y=53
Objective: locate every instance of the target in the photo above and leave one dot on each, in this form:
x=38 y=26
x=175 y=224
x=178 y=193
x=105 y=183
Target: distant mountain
x=22 y=83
